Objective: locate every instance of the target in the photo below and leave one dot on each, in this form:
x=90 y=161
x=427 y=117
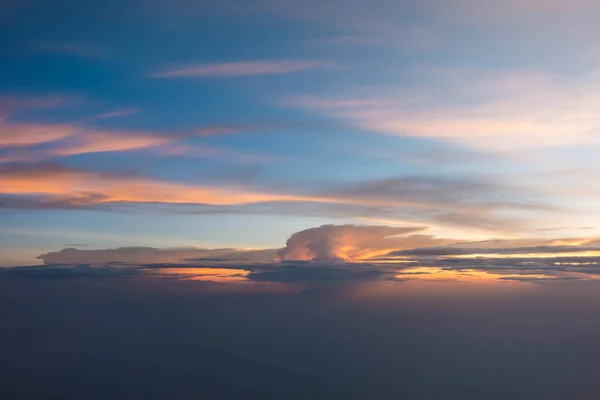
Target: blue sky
x=236 y=124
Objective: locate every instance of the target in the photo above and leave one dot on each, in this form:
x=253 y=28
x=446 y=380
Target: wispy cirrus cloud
x=241 y=68
x=38 y=141
x=70 y=139
x=123 y=112
x=475 y=108
x=472 y=206
x=86 y=188
x=22 y=134
x=76 y=48
x=465 y=251
x=15 y=102
x=108 y=141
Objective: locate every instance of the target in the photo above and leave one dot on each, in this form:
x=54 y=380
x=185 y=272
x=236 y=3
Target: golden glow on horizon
x=206 y=274
x=530 y=255
x=487 y=276
x=463 y=275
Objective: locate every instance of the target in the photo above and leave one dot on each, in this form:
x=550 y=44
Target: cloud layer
x=337 y=254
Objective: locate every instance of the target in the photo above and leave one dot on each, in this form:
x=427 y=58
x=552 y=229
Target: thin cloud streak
x=242 y=68
x=79 y=49
x=86 y=188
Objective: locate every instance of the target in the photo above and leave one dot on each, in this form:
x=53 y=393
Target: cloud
x=345 y=242
x=441 y=202
x=242 y=68
x=23 y=134
x=124 y=112
x=12 y=103
x=108 y=141
x=50 y=184
x=28 y=142
x=23 y=140
x=327 y=243
x=332 y=254
x=53 y=272
x=79 y=49
x=488 y=108
x=71 y=139
x=150 y=255
x=81 y=187
x=465 y=251
x=315 y=273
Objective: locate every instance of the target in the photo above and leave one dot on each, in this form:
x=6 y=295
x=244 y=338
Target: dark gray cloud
x=322 y=274
x=316 y=272
x=54 y=272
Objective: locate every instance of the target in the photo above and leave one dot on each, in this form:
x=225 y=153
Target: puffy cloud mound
x=343 y=242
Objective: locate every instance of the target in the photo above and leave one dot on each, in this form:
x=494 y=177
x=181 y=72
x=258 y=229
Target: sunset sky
x=182 y=128
x=299 y=199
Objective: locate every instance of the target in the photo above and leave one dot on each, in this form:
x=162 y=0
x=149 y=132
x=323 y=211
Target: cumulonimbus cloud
x=349 y=242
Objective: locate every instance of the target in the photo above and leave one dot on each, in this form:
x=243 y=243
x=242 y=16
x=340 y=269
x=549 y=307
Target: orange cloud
x=84 y=187
x=31 y=134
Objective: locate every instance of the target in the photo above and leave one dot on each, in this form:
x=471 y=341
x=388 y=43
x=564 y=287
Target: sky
x=341 y=132
x=309 y=199
x=171 y=124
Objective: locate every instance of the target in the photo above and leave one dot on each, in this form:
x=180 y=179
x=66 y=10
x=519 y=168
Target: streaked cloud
x=15 y=102
x=464 y=251
x=77 y=48
x=108 y=141
x=22 y=134
x=123 y=112
x=242 y=68
x=477 y=109
x=467 y=204
x=85 y=188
